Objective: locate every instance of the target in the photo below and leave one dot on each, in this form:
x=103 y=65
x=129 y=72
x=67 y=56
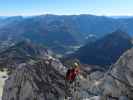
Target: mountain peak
x=120 y=33
x=106 y=50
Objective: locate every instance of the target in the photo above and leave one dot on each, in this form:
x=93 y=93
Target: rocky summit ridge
x=44 y=79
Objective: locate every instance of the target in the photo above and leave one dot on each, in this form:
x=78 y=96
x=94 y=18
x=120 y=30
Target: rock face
x=38 y=81
x=44 y=79
x=117 y=83
x=121 y=76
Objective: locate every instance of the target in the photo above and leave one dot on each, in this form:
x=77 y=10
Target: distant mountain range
x=118 y=17
x=106 y=50
x=61 y=31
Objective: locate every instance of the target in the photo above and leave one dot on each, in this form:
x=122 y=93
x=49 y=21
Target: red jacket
x=72 y=73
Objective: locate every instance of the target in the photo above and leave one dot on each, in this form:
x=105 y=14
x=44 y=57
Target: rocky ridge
x=45 y=80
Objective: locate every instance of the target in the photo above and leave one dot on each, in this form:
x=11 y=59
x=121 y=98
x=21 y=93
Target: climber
x=72 y=73
x=72 y=82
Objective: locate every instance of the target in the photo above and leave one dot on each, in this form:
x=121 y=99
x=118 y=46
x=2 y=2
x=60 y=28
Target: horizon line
x=32 y=15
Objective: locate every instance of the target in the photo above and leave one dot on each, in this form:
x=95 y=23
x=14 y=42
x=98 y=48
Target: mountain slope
x=52 y=30
x=106 y=50
x=20 y=53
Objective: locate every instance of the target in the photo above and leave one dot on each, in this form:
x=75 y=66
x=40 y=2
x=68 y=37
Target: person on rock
x=72 y=73
x=72 y=78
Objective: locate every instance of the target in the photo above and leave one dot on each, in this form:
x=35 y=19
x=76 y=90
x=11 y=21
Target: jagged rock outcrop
x=41 y=80
x=44 y=79
x=118 y=82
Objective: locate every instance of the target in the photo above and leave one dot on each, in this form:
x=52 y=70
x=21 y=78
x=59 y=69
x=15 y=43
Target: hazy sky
x=66 y=7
